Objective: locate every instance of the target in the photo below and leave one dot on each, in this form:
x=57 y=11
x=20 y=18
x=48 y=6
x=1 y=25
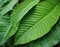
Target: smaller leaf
x=9 y=7
x=2 y=2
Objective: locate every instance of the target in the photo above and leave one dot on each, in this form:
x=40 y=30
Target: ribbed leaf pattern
x=38 y=22
x=21 y=10
x=49 y=40
x=18 y=14
x=4 y=24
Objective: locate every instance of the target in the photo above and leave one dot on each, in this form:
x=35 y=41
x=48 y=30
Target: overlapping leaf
x=22 y=9
x=49 y=40
x=38 y=21
x=9 y=7
x=4 y=24
x=34 y=25
x=2 y=2
x=16 y=16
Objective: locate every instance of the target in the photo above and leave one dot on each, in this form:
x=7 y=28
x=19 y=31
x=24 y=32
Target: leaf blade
x=49 y=40
x=37 y=22
x=13 y=27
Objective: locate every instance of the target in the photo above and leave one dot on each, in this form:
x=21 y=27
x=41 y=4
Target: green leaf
x=17 y=15
x=4 y=24
x=9 y=7
x=38 y=22
x=21 y=10
x=2 y=2
x=49 y=40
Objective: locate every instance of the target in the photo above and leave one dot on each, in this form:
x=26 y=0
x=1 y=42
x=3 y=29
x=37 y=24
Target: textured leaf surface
x=49 y=39
x=6 y=28
x=23 y=8
x=9 y=7
x=38 y=22
x=4 y=24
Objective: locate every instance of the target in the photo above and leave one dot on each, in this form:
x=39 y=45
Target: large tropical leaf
x=19 y=13
x=38 y=21
x=49 y=39
x=16 y=16
x=9 y=7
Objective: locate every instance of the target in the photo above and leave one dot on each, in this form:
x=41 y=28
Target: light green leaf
x=16 y=16
x=21 y=10
x=49 y=40
x=38 y=22
x=9 y=7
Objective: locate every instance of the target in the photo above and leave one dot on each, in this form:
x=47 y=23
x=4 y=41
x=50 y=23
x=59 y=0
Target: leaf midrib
x=24 y=9
x=15 y=24
x=41 y=18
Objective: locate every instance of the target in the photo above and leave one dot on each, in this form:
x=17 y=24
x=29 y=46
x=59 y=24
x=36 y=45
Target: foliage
x=33 y=23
